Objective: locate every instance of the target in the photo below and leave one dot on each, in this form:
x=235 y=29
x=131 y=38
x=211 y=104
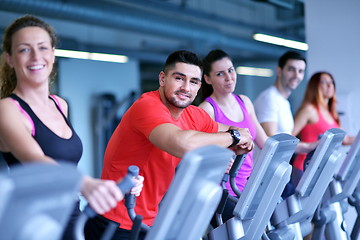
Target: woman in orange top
x=317 y=113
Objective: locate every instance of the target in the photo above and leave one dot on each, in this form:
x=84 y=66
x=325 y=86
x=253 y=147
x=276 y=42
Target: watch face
x=236 y=134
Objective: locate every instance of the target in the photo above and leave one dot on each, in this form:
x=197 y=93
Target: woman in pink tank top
x=218 y=85
x=317 y=113
x=228 y=108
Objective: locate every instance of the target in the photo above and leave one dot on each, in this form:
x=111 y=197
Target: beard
x=291 y=84
x=176 y=102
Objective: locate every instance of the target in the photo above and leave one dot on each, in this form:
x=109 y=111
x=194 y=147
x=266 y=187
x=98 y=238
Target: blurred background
x=140 y=34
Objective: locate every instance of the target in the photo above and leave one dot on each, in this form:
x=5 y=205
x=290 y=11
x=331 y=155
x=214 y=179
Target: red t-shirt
x=129 y=145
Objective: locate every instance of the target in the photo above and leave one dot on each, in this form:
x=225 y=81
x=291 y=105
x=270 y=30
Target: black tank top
x=60 y=149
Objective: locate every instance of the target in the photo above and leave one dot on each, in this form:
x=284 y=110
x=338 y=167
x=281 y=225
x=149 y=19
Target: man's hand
x=245 y=144
x=139 y=183
x=231 y=162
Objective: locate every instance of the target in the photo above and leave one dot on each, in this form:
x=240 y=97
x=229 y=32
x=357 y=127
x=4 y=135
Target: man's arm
x=177 y=142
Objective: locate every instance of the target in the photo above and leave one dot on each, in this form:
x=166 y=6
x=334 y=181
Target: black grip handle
x=225 y=177
x=236 y=165
x=89 y=211
x=133 y=170
x=125 y=186
x=130 y=199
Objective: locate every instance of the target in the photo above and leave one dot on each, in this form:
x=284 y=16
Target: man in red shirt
x=155 y=133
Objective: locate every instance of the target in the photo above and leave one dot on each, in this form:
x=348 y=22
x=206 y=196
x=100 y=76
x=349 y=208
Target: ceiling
x=148 y=30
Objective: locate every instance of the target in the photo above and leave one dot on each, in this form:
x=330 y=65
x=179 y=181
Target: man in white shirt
x=272 y=106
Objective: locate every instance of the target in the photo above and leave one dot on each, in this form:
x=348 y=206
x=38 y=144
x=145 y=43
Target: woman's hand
x=102 y=195
x=348 y=140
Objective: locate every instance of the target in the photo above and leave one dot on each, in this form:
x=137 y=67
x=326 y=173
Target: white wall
x=333 y=35
x=80 y=81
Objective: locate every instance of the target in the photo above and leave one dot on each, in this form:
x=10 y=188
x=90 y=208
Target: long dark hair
x=211 y=57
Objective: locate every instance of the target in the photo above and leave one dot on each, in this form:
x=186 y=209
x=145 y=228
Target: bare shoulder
x=4 y=101
x=207 y=107
x=14 y=117
x=248 y=103
x=306 y=113
x=204 y=104
x=246 y=99
x=6 y=105
x=308 y=109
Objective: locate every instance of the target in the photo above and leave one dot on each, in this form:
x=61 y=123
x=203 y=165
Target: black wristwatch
x=235 y=135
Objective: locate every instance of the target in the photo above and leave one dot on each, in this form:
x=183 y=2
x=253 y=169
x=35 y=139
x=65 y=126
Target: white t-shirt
x=271 y=106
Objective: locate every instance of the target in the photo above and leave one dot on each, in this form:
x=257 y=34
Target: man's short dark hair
x=182 y=56
x=290 y=55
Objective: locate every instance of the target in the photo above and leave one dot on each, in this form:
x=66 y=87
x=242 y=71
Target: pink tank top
x=246 y=168
x=310 y=133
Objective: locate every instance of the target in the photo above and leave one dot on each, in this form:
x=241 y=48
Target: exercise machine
x=354 y=200
x=291 y=218
x=229 y=177
x=262 y=192
x=329 y=219
x=125 y=186
x=37 y=200
x=192 y=197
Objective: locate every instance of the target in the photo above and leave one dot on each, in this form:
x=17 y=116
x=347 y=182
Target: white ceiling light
x=281 y=41
x=91 y=56
x=251 y=71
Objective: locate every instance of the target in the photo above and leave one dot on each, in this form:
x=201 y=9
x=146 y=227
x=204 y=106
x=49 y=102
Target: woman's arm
x=348 y=140
x=103 y=195
x=305 y=115
x=261 y=136
x=15 y=137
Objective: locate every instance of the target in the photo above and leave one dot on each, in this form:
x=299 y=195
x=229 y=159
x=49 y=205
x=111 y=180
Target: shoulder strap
x=241 y=103
x=56 y=100
x=238 y=97
x=215 y=107
x=26 y=115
